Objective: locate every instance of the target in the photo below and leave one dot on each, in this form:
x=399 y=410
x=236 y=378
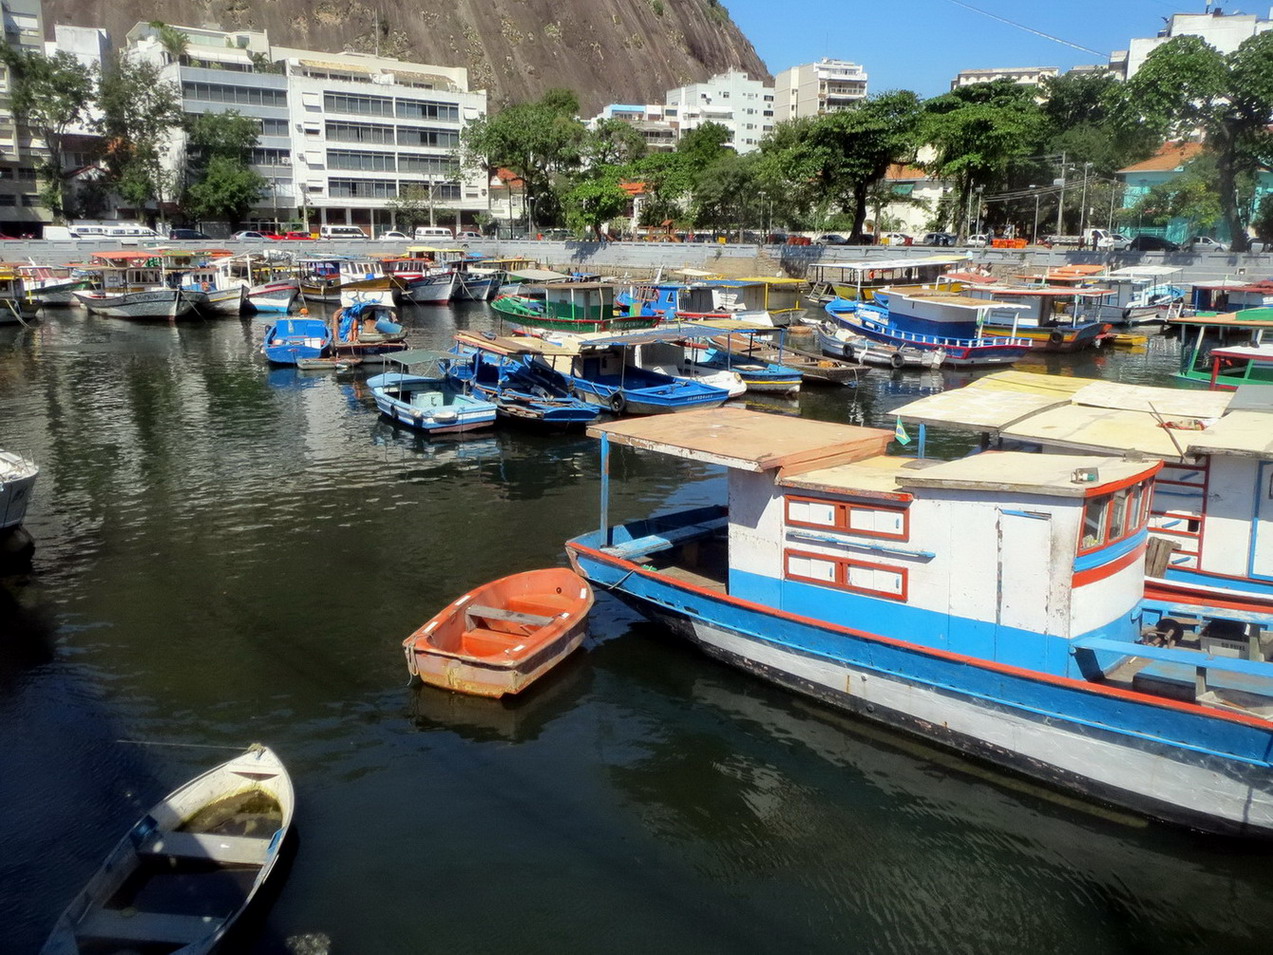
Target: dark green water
x=228 y=554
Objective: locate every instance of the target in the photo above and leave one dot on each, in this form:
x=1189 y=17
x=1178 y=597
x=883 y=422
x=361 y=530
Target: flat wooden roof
x=1026 y=472
x=875 y=477
x=1103 y=429
x=748 y=440
x=1244 y=433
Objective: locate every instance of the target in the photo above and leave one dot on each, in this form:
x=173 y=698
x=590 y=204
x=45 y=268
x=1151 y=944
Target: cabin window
x=863 y=520
x=842 y=573
x=1110 y=518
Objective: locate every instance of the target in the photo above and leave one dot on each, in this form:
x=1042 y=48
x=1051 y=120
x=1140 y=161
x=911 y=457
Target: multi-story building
x=1023 y=75
x=1224 y=31
x=816 y=88
x=734 y=100
x=342 y=134
x=21 y=210
x=651 y=120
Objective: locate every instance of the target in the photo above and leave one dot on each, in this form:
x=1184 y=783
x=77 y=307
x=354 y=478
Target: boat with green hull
x=1225 y=350
x=575 y=307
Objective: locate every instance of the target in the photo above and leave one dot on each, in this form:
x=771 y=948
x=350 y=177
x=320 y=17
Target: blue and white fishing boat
x=367 y=329
x=525 y=390
x=931 y=320
x=429 y=402
x=288 y=341
x=603 y=371
x=756 y=373
x=993 y=604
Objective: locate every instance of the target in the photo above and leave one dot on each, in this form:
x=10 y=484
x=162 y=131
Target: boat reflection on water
x=513 y=719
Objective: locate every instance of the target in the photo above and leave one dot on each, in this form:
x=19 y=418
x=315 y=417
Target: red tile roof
x=1171 y=156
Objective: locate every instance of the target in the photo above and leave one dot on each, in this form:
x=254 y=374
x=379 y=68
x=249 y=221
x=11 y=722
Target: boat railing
x=1208 y=670
x=996 y=341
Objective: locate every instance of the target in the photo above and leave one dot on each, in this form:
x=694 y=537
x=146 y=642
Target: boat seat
x=511 y=616
x=146 y=927
x=228 y=850
x=427 y=399
x=480 y=642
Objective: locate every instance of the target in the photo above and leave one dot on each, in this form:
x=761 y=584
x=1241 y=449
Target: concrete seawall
x=644 y=259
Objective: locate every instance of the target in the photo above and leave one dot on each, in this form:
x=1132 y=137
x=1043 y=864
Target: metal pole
x=1060 y=203
x=1034 y=238
x=605 y=489
x=1083 y=211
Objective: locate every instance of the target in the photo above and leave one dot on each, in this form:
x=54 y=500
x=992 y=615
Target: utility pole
x=1060 y=203
x=1083 y=212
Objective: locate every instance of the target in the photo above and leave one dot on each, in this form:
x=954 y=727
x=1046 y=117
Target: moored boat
x=199 y=857
x=287 y=341
x=430 y=402
x=367 y=328
x=148 y=303
x=510 y=373
x=833 y=570
x=499 y=638
x=17 y=484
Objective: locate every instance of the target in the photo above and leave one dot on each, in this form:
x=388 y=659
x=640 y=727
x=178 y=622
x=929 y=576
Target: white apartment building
x=816 y=88
x=341 y=133
x=21 y=210
x=650 y=119
x=1023 y=75
x=742 y=105
x=1224 y=31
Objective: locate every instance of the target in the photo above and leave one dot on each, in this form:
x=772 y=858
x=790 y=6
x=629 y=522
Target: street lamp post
x=530 y=215
x=1034 y=236
x=1140 y=203
x=1083 y=211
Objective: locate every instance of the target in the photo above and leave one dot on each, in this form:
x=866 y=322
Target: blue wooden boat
x=367 y=328
x=756 y=373
x=429 y=402
x=992 y=604
x=963 y=349
x=600 y=370
x=289 y=340
x=525 y=390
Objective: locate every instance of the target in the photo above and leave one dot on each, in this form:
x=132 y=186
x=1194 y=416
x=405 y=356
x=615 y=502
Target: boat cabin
x=582 y=302
x=1004 y=556
x=1200 y=334
x=859 y=280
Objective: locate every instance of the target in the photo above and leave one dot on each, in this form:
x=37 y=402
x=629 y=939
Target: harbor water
x=229 y=553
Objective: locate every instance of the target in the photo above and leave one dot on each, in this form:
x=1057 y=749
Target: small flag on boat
x=900 y=435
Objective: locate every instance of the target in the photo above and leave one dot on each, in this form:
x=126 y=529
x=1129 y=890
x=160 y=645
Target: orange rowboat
x=500 y=637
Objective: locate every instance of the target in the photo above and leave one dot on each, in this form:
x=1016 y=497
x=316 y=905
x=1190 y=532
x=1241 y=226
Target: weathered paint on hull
x=1061 y=731
x=163 y=303
x=481 y=679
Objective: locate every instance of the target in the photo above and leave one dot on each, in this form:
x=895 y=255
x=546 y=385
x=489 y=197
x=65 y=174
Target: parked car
x=938 y=238
x=393 y=235
x=863 y=238
x=980 y=240
x=777 y=238
x=896 y=238
x=468 y=235
x=180 y=234
x=305 y=236
x=1151 y=243
x=832 y=238
x=249 y=234
x=1204 y=243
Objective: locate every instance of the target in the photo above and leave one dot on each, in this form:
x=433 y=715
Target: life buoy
x=1056 y=338
x=896 y=360
x=617 y=402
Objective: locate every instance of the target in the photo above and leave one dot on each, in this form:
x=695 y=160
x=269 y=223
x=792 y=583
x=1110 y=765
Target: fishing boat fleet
x=1086 y=600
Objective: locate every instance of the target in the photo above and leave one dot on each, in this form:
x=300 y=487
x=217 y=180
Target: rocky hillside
x=608 y=51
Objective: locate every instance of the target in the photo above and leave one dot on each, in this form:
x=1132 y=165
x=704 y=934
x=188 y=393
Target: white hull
x=17 y=479
x=354 y=296
x=224 y=301
x=1051 y=747
x=432 y=293
x=272 y=297
x=155 y=303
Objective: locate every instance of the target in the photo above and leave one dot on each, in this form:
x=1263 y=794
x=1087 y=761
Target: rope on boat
x=17 y=312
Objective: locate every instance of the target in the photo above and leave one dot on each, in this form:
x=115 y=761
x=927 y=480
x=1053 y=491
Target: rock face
x=607 y=51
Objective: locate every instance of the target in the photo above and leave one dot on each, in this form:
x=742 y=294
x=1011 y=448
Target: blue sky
x=921 y=44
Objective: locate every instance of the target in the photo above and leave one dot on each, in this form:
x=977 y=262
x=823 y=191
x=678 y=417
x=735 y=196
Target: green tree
x=49 y=95
x=980 y=133
x=1263 y=221
x=725 y=193
x=139 y=112
x=594 y=202
x=412 y=206
x=703 y=145
x=1192 y=196
x=227 y=190
x=541 y=142
x=612 y=143
x=1186 y=85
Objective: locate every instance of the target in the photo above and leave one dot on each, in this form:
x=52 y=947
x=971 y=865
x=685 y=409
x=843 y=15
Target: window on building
x=359 y=133
x=274 y=127
x=237 y=95
x=366 y=161
x=428 y=165
x=271 y=157
x=358 y=103
x=420 y=109
x=362 y=188
x=423 y=136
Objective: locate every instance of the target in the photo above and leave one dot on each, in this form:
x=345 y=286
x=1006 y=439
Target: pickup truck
x=1102 y=239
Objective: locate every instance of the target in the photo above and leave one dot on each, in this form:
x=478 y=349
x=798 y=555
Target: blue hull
x=1175 y=761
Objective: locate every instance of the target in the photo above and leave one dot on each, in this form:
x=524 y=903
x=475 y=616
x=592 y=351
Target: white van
x=341 y=232
x=432 y=232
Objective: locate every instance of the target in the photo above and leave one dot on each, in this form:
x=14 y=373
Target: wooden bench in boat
x=146 y=927
x=511 y=616
x=1196 y=671
x=666 y=540
x=228 y=850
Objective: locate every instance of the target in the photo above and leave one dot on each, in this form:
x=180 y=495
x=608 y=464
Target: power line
x=1022 y=26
